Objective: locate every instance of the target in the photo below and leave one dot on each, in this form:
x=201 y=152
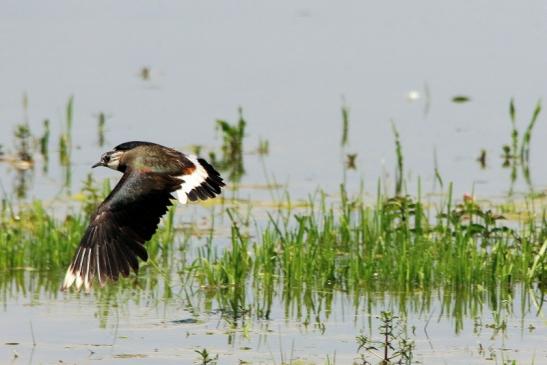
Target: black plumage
x=129 y=216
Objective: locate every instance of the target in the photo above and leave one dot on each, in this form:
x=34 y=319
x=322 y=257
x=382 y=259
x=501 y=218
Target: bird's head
x=123 y=154
x=110 y=159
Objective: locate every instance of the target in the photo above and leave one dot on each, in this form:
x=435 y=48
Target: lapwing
x=130 y=214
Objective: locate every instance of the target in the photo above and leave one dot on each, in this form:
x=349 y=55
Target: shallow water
x=137 y=326
x=291 y=66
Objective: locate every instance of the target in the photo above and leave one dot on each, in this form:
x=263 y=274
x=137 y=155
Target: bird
x=130 y=214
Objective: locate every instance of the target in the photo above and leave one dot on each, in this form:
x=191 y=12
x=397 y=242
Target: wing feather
x=199 y=179
x=118 y=230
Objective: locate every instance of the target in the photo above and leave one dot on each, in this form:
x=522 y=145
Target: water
x=291 y=66
x=152 y=326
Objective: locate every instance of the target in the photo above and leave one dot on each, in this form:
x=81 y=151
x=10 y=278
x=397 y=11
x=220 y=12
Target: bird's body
x=130 y=214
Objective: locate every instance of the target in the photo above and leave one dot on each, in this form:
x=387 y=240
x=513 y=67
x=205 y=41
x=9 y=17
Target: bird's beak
x=100 y=163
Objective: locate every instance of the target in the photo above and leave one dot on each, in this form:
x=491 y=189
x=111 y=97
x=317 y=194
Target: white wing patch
x=191 y=181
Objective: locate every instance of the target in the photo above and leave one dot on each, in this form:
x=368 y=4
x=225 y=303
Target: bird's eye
x=106 y=159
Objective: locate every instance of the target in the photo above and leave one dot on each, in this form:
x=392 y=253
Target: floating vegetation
x=460 y=99
x=144 y=73
x=482 y=159
x=351 y=161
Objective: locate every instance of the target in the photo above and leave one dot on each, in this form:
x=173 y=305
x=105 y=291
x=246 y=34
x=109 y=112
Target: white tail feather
x=79 y=275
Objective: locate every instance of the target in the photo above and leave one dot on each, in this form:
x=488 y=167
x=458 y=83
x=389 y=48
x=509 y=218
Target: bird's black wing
x=117 y=231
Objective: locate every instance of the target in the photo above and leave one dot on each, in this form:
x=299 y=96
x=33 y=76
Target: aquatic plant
x=526 y=138
x=101 y=128
x=23 y=142
x=351 y=161
x=44 y=145
x=460 y=99
x=205 y=357
x=65 y=139
x=393 y=348
x=355 y=248
x=345 y=125
x=399 y=171
x=232 y=147
x=519 y=153
x=263 y=147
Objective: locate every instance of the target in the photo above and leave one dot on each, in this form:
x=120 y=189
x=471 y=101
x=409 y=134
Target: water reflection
x=240 y=305
x=22 y=182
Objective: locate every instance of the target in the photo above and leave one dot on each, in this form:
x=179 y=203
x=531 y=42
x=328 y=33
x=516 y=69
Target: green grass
x=391 y=244
x=395 y=243
x=36 y=245
x=461 y=252
x=231 y=160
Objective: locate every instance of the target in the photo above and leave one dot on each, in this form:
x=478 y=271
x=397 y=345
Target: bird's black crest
x=130 y=145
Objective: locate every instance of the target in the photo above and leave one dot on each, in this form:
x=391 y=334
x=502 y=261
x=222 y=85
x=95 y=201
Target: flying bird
x=130 y=214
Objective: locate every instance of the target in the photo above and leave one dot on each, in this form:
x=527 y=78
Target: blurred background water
x=290 y=66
